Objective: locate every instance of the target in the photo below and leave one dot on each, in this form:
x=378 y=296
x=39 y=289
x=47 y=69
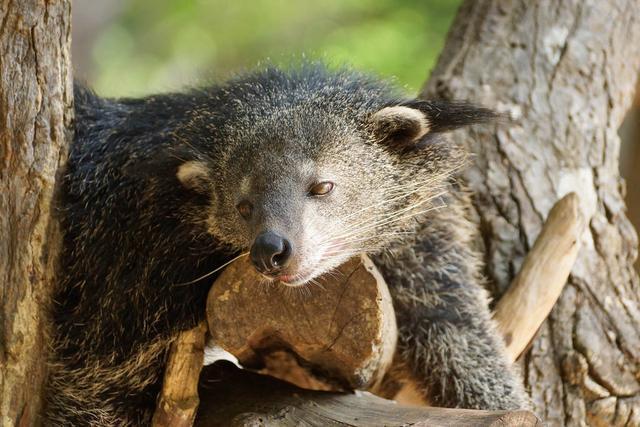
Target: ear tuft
x=194 y=175
x=400 y=124
x=446 y=116
x=408 y=122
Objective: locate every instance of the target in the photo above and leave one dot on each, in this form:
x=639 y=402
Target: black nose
x=270 y=252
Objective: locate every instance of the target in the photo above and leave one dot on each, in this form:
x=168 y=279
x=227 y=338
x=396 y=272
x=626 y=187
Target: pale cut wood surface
x=344 y=327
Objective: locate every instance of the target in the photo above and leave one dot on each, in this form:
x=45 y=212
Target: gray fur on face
x=382 y=182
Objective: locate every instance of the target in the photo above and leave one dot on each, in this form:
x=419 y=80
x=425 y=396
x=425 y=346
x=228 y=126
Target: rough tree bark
x=35 y=111
x=565 y=71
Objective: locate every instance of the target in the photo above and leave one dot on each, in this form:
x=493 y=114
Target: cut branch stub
x=178 y=400
x=344 y=328
x=543 y=274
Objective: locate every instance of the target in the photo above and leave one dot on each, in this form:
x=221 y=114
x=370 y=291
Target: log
x=343 y=328
x=234 y=397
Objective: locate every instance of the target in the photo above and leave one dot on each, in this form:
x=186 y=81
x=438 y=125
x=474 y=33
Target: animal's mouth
x=294 y=280
x=291 y=280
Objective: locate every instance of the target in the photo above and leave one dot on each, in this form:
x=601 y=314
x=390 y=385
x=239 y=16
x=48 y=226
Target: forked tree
x=565 y=72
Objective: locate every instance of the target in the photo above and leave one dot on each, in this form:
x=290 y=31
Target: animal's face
x=303 y=190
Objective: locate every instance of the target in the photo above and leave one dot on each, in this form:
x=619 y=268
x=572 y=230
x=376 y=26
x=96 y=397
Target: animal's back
x=126 y=252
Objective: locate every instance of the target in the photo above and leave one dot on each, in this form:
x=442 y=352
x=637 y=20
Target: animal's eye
x=321 y=188
x=244 y=208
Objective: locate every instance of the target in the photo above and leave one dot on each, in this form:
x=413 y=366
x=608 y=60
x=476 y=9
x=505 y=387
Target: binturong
x=297 y=169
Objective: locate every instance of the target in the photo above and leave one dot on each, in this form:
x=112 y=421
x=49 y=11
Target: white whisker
x=212 y=272
x=385 y=220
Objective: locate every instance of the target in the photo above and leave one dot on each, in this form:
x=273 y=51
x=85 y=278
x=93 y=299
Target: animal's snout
x=270 y=252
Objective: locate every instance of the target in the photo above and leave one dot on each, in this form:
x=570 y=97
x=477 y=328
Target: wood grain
x=344 y=327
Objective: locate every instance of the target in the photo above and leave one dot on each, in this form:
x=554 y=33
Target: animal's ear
x=399 y=124
x=408 y=122
x=194 y=175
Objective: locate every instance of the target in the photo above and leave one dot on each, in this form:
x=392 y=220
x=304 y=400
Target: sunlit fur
x=150 y=216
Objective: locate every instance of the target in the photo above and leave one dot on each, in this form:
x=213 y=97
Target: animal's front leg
x=446 y=336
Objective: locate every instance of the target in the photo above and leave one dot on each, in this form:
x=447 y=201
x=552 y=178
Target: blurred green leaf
x=161 y=45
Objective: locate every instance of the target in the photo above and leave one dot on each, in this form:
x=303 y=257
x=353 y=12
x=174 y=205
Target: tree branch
x=178 y=401
x=543 y=274
x=234 y=397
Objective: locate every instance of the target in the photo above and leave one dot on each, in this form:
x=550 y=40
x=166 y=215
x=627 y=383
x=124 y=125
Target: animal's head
x=312 y=168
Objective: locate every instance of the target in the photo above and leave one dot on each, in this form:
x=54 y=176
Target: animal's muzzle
x=270 y=252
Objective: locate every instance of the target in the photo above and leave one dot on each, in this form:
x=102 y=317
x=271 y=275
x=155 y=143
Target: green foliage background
x=160 y=45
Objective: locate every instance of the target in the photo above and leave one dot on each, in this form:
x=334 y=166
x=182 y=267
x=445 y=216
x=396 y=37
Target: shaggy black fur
x=136 y=238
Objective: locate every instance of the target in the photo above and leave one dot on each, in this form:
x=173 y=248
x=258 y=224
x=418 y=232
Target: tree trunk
x=565 y=71
x=35 y=111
